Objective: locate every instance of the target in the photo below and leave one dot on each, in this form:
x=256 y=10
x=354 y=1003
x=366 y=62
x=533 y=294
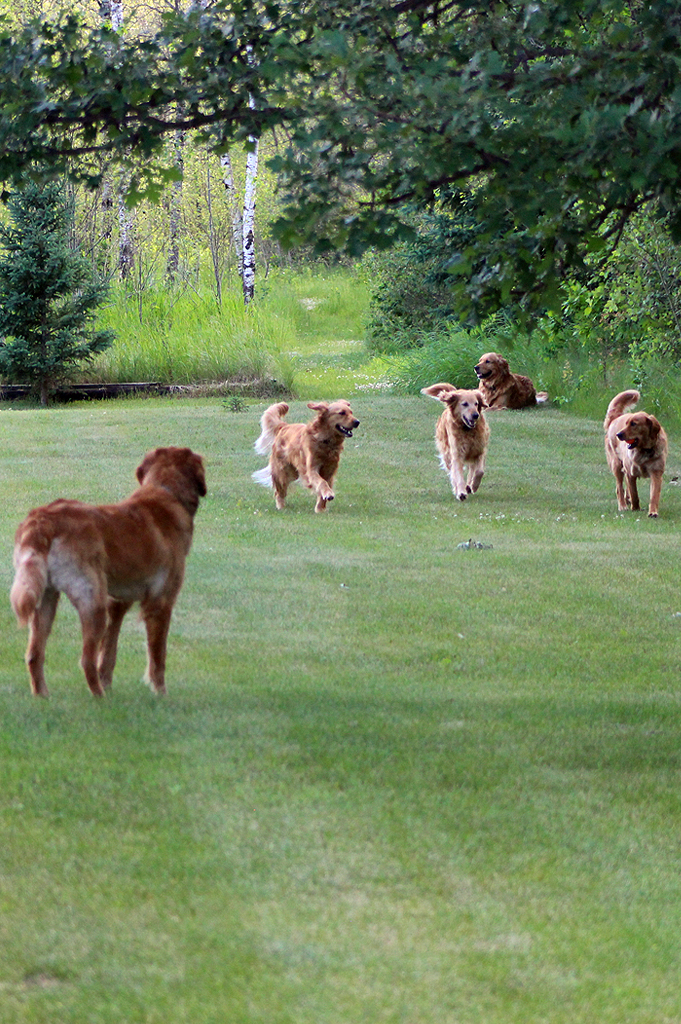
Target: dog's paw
x=652 y=515
x=463 y=495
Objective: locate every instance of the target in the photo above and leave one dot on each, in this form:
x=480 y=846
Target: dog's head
x=467 y=406
x=178 y=470
x=336 y=417
x=491 y=367
x=641 y=430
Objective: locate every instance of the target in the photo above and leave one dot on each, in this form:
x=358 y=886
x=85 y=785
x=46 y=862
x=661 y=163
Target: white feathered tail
x=270 y=422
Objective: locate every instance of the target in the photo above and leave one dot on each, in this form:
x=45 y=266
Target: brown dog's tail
x=620 y=404
x=30 y=580
x=270 y=423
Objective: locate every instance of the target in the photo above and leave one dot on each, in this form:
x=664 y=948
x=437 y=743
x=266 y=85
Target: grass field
x=393 y=780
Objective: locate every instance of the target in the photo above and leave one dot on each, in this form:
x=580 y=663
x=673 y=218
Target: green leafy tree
x=47 y=297
x=560 y=119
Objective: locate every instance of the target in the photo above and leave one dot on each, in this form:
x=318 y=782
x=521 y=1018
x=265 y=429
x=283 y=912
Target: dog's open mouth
x=345 y=431
x=482 y=376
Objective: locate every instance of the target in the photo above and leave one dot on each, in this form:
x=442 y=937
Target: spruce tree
x=48 y=298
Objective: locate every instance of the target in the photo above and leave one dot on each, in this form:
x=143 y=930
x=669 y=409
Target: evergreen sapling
x=48 y=298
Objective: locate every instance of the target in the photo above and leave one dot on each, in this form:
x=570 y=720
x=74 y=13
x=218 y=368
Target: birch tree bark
x=248 y=272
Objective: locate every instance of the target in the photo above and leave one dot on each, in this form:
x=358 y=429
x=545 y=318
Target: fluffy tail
x=263 y=476
x=271 y=420
x=29 y=584
x=620 y=403
x=542 y=396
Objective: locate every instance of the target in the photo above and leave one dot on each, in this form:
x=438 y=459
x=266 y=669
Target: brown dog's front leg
x=655 y=491
x=157 y=620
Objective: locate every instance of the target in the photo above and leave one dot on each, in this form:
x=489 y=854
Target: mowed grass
x=393 y=780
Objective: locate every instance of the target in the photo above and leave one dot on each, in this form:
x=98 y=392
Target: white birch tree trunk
x=248 y=272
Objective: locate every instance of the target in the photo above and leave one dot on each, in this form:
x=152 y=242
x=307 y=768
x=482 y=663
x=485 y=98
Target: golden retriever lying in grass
x=503 y=389
x=309 y=452
x=635 y=446
x=106 y=557
x=461 y=436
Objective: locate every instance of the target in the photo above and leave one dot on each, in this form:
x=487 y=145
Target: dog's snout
x=620 y=435
x=355 y=423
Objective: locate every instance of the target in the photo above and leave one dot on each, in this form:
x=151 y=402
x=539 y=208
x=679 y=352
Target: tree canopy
x=550 y=123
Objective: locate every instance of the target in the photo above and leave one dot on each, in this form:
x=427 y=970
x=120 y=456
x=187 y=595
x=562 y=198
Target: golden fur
x=461 y=436
x=309 y=452
x=106 y=557
x=503 y=389
x=635 y=446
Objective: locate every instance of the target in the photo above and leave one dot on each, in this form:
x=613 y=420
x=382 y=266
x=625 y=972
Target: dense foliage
x=557 y=121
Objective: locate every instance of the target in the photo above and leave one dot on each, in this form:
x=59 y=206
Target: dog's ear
x=440 y=392
x=503 y=363
x=143 y=467
x=318 y=406
x=654 y=429
x=200 y=476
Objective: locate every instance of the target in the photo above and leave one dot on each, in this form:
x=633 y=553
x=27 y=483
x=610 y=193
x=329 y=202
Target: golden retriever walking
x=461 y=436
x=635 y=446
x=503 y=389
x=106 y=557
x=309 y=452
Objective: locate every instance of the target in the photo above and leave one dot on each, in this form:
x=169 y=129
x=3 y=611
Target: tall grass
x=185 y=337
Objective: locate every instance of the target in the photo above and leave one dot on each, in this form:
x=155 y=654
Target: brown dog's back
x=106 y=557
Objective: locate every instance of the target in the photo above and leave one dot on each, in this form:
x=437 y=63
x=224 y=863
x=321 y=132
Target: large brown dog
x=309 y=452
x=106 y=557
x=636 y=446
x=503 y=389
x=461 y=436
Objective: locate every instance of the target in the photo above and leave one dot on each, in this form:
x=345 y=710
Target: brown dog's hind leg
x=93 y=624
x=280 y=483
x=106 y=661
x=39 y=631
x=632 y=491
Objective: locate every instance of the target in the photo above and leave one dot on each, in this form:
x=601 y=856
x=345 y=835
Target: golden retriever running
x=309 y=452
x=503 y=389
x=636 y=446
x=106 y=557
x=461 y=436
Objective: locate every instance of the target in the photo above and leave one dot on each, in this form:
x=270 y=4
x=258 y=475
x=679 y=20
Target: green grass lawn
x=393 y=780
